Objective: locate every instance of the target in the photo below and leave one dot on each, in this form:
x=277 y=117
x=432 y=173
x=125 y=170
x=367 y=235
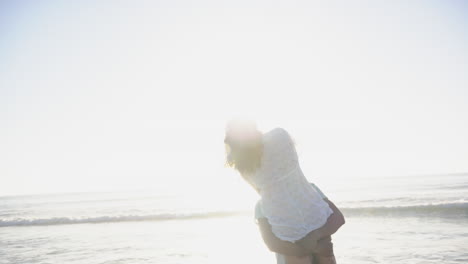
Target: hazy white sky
x=106 y=95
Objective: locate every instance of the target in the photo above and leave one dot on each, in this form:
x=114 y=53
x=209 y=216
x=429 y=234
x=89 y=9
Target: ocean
x=412 y=219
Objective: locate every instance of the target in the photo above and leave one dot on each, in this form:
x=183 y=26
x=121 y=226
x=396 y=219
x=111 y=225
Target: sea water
x=419 y=219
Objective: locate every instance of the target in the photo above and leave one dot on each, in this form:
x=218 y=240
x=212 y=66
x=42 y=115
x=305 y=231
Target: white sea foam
x=110 y=219
x=455 y=209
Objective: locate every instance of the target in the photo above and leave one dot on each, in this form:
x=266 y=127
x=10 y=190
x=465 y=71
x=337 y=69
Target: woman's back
x=292 y=206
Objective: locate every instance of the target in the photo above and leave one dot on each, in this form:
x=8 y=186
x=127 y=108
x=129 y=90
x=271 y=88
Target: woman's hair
x=244 y=156
x=244 y=146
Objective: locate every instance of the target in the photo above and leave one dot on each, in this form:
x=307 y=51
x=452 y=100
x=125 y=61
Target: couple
x=296 y=220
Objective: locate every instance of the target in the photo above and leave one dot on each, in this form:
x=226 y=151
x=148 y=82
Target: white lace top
x=291 y=205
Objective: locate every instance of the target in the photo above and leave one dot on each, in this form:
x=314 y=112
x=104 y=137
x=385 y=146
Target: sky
x=116 y=95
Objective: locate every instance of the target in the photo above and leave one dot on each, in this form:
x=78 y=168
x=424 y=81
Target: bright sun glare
x=129 y=96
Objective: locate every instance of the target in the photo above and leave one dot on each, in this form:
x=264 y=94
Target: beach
x=393 y=220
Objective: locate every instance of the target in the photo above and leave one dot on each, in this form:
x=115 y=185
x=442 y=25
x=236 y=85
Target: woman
x=295 y=210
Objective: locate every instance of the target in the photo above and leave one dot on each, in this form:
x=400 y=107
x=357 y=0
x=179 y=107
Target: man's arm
x=277 y=245
x=334 y=221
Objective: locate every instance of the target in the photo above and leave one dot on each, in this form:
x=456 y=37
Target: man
x=324 y=254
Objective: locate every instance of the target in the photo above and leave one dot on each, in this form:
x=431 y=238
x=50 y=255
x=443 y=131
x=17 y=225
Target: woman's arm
x=277 y=245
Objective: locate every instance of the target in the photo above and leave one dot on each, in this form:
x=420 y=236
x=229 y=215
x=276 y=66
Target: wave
x=430 y=210
x=110 y=219
x=452 y=210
